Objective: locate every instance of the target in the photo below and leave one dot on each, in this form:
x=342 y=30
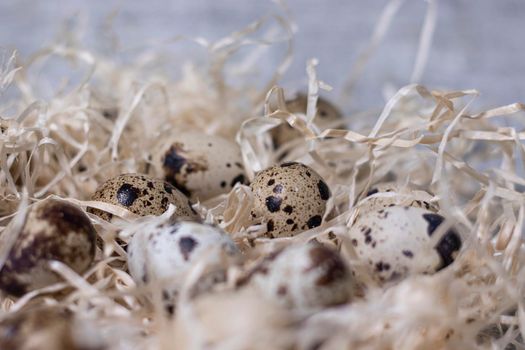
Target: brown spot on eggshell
x=173 y=161
x=314 y=221
x=330 y=263
x=282 y=290
x=278 y=189
x=273 y=203
x=434 y=220
x=408 y=254
x=127 y=194
x=186 y=245
x=167 y=187
x=381 y=266
x=372 y=191
x=324 y=191
x=270 y=226
x=448 y=247
x=178 y=164
x=238 y=179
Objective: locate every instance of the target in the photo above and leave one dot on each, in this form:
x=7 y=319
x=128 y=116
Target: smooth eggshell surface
x=397 y=241
x=303 y=276
x=199 y=165
x=165 y=253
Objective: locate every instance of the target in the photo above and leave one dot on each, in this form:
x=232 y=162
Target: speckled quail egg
x=328 y=115
x=47 y=328
x=397 y=241
x=165 y=253
x=199 y=165
x=290 y=198
x=388 y=194
x=53 y=230
x=142 y=195
x=302 y=276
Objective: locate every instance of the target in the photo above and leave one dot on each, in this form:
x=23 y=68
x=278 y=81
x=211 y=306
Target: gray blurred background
x=477 y=43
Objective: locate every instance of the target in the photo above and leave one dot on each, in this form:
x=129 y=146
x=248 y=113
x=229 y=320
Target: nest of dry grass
x=100 y=125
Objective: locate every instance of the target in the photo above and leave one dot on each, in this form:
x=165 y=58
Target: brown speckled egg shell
x=328 y=115
x=290 y=198
x=54 y=230
x=201 y=166
x=302 y=276
x=398 y=241
x=142 y=195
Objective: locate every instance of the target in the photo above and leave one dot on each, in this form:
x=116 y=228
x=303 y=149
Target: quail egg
x=328 y=116
x=47 y=328
x=199 y=165
x=397 y=241
x=302 y=276
x=142 y=195
x=388 y=194
x=165 y=253
x=290 y=198
x=53 y=230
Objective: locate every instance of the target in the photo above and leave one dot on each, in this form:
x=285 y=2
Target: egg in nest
x=53 y=230
x=327 y=116
x=290 y=198
x=201 y=166
x=305 y=276
x=164 y=254
x=398 y=241
x=48 y=328
x=141 y=195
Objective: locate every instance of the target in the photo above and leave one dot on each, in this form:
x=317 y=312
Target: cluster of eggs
x=392 y=233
